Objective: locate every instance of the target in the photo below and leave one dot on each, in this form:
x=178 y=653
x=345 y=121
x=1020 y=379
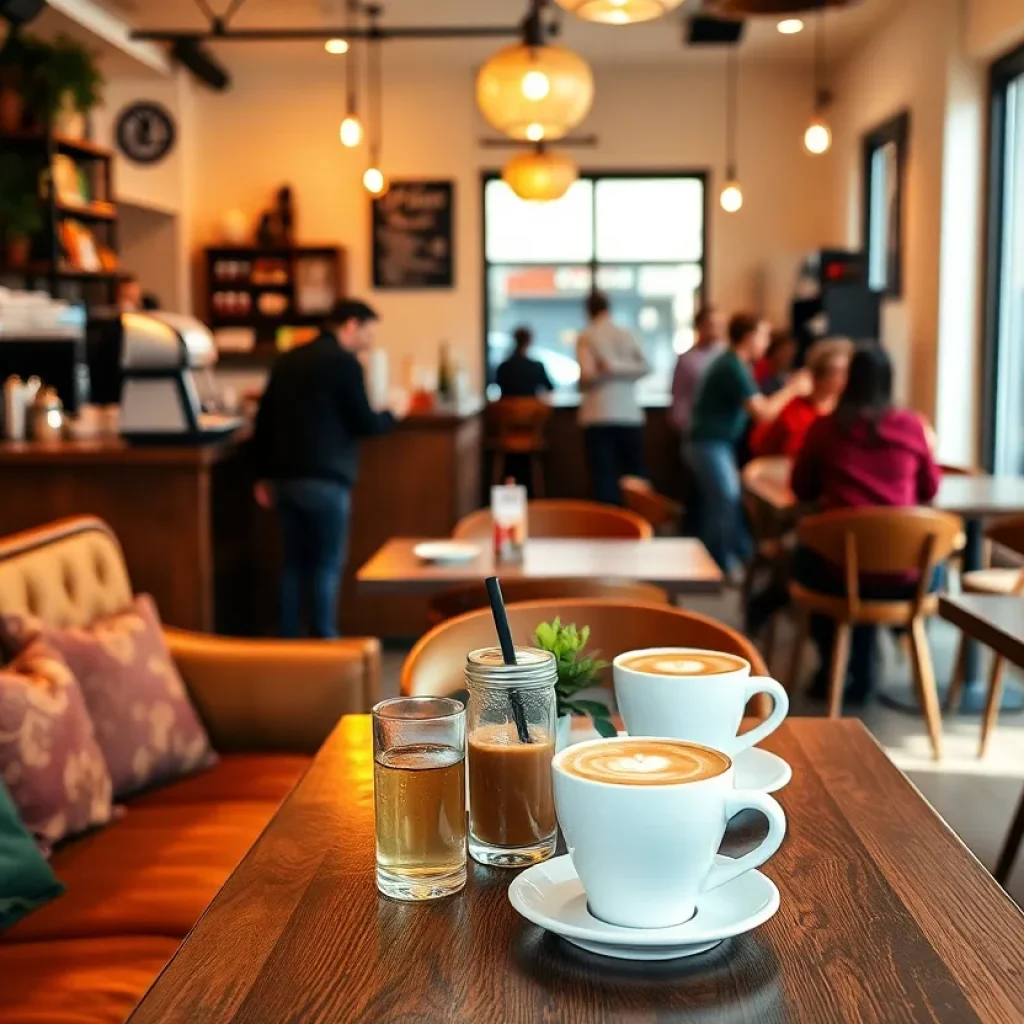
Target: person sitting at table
x=772 y=369
x=866 y=453
x=727 y=399
x=828 y=363
x=519 y=376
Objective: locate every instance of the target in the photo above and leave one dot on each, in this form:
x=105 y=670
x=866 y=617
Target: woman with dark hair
x=866 y=453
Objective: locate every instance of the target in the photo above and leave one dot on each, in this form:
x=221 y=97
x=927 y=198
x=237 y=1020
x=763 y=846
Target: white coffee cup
x=704 y=708
x=645 y=853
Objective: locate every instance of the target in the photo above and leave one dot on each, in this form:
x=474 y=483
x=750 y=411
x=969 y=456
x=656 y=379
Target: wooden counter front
x=166 y=505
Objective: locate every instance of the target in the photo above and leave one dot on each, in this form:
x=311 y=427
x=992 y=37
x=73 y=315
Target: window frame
x=594 y=175
x=1002 y=74
x=896 y=130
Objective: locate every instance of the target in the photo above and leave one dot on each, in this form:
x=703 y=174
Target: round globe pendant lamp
x=540 y=174
x=532 y=91
x=618 y=12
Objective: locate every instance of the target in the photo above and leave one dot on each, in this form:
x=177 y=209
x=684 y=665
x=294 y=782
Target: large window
x=1005 y=270
x=884 y=161
x=640 y=239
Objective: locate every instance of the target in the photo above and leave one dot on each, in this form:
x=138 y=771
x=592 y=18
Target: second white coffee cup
x=686 y=693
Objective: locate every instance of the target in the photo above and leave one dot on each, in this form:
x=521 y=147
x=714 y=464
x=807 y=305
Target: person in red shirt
x=866 y=453
x=772 y=369
x=829 y=363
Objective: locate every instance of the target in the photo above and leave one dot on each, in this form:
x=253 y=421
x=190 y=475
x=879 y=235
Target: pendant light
x=351 y=130
x=374 y=180
x=732 y=195
x=540 y=174
x=818 y=136
x=618 y=12
x=532 y=91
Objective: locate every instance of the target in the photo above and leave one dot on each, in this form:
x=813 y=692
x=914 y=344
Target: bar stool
x=515 y=426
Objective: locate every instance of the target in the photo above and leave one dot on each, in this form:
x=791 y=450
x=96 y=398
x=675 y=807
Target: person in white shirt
x=611 y=362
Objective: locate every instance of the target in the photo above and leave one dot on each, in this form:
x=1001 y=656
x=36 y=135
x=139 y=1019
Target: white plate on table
x=446 y=552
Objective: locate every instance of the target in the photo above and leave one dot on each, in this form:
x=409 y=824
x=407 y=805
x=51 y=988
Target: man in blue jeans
x=312 y=415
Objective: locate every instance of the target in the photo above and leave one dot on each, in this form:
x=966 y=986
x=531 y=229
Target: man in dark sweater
x=312 y=414
x=520 y=376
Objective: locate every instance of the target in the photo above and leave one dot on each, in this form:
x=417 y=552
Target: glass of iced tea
x=419 y=796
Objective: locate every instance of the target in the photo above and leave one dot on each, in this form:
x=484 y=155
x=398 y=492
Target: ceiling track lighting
x=731 y=198
x=818 y=136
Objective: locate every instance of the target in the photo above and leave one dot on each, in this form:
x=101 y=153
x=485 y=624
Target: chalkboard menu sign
x=412 y=235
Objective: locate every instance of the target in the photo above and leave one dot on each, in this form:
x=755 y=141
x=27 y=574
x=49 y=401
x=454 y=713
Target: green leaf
x=594 y=708
x=604 y=727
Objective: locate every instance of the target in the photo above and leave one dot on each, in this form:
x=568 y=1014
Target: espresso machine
x=160 y=402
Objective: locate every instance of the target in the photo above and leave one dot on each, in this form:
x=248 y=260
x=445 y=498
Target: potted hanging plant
x=21 y=58
x=20 y=215
x=71 y=86
x=576 y=672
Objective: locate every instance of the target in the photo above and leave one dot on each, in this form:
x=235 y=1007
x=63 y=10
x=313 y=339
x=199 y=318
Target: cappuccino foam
x=684 y=663
x=643 y=762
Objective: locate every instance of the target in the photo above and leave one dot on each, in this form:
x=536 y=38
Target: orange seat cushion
x=92 y=981
x=266 y=778
x=152 y=873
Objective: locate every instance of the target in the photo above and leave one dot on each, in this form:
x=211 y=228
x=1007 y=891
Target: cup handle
x=777 y=692
x=749 y=800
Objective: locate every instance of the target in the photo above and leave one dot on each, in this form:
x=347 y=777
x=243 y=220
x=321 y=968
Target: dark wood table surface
x=885 y=916
x=995 y=620
x=682 y=565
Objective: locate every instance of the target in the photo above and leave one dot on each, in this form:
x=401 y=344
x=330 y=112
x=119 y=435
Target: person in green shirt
x=727 y=399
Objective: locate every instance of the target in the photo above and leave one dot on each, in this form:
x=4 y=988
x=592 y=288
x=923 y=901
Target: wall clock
x=145 y=132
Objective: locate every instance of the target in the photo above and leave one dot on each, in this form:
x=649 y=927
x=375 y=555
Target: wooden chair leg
x=837 y=672
x=924 y=679
x=956 y=684
x=992 y=702
x=1004 y=866
x=769 y=640
x=799 y=642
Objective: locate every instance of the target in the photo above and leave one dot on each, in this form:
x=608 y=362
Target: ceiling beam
x=280 y=35
x=113 y=31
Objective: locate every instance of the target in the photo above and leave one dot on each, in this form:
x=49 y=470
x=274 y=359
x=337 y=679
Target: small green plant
x=72 y=69
x=576 y=672
x=19 y=197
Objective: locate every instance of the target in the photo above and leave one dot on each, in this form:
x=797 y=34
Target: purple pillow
x=49 y=757
x=145 y=724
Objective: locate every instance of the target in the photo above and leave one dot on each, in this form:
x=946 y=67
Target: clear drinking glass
x=419 y=796
x=511 y=744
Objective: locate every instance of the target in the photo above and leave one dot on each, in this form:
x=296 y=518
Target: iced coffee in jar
x=510 y=729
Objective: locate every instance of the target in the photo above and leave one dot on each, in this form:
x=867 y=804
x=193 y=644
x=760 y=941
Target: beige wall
x=272 y=129
x=994 y=26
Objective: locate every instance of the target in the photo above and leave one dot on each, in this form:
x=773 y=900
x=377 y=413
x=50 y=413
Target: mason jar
x=510 y=729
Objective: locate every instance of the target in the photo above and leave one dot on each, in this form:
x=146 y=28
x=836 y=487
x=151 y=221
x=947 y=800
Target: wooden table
x=976 y=498
x=681 y=565
x=885 y=916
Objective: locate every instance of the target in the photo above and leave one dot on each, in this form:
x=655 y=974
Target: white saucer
x=755 y=768
x=446 y=552
x=551 y=895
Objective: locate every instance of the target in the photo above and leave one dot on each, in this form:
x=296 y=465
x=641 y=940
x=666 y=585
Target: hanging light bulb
x=818 y=137
x=336 y=46
x=536 y=85
x=731 y=197
x=351 y=131
x=374 y=181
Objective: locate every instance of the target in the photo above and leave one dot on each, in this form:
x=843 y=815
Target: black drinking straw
x=508 y=653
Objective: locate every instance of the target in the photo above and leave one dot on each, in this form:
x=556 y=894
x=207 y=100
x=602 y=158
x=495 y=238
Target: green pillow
x=26 y=880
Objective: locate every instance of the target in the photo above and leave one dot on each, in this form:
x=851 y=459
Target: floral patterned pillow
x=49 y=757
x=145 y=724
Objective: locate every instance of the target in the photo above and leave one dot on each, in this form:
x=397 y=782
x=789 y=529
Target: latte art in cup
x=644 y=763
x=688 y=663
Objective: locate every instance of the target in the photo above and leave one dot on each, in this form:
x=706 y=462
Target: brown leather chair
x=661 y=512
x=1007 y=533
x=515 y=426
x=877 y=541
x=459 y=600
x=549 y=518
x=435 y=665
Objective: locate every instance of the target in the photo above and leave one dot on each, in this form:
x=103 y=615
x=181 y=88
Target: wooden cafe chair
x=515 y=426
x=434 y=666
x=1007 y=533
x=877 y=541
x=467 y=598
x=639 y=496
x=566 y=519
